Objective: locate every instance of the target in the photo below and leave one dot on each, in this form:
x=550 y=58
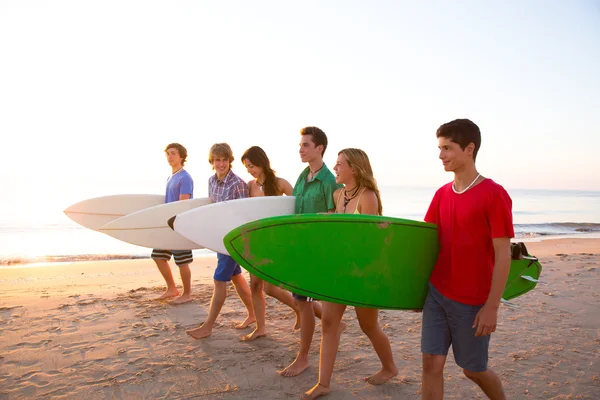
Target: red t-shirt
x=467 y=223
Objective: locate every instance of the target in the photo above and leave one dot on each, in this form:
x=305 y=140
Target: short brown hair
x=319 y=138
x=180 y=149
x=463 y=132
x=221 y=150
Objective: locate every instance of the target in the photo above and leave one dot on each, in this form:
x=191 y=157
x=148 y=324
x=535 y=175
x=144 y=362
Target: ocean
x=52 y=237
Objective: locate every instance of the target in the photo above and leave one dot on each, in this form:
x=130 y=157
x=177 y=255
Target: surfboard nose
x=171 y=221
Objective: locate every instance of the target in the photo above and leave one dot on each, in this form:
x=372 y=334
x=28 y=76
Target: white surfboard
x=148 y=227
x=98 y=211
x=208 y=225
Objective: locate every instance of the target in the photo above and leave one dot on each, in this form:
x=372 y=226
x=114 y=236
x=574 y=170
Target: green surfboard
x=360 y=260
x=522 y=277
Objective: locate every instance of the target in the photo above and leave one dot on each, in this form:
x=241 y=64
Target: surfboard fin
x=531 y=279
x=171 y=221
x=509 y=304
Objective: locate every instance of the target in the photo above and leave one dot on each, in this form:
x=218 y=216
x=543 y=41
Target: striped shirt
x=229 y=188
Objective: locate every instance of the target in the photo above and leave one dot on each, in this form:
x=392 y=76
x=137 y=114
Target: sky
x=92 y=92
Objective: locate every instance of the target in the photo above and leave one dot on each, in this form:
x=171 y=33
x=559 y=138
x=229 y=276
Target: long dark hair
x=258 y=157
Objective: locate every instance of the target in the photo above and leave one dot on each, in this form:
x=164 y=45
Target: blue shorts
x=226 y=269
x=182 y=257
x=447 y=322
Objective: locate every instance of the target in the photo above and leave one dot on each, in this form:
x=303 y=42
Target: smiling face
x=453 y=157
x=308 y=151
x=221 y=166
x=173 y=157
x=252 y=169
x=343 y=172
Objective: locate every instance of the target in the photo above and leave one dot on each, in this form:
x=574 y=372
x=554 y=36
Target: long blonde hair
x=363 y=173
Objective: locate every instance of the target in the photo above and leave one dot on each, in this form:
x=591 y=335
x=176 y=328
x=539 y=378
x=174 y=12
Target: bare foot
x=382 y=376
x=168 y=294
x=248 y=321
x=199 y=333
x=184 y=298
x=254 y=335
x=295 y=368
x=297 y=324
x=317 y=391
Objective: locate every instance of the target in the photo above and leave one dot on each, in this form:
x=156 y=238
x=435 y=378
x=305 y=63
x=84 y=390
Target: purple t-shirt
x=180 y=183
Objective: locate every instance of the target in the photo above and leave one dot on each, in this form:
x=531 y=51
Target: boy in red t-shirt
x=474 y=219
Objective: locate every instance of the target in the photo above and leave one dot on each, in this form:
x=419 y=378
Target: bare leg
x=307 y=330
x=165 y=271
x=186 y=279
x=368 y=321
x=258 y=302
x=286 y=298
x=216 y=303
x=489 y=382
x=243 y=291
x=330 y=326
x=432 y=382
x=317 y=308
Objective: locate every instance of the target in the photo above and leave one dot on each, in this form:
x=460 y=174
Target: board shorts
x=226 y=269
x=447 y=322
x=182 y=257
x=302 y=298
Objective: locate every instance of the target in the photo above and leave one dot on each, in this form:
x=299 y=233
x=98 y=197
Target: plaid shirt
x=229 y=188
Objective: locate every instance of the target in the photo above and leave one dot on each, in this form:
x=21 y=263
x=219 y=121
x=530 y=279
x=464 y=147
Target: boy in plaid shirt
x=222 y=186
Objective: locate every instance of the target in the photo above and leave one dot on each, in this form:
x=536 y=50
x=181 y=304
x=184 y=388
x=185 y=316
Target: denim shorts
x=182 y=257
x=226 y=269
x=447 y=322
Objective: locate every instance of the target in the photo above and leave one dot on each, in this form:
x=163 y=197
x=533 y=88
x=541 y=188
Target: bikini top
x=358 y=201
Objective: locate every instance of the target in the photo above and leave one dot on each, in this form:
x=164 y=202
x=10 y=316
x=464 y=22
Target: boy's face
x=308 y=151
x=221 y=165
x=173 y=157
x=452 y=156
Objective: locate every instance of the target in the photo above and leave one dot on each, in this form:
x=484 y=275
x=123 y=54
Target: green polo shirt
x=315 y=196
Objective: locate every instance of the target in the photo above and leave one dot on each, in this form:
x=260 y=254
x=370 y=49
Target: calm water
x=51 y=236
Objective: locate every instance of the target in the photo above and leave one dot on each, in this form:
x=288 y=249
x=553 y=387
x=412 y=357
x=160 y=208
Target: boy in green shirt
x=314 y=194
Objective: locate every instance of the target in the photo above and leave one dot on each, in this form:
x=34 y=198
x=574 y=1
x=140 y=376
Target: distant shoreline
x=52 y=260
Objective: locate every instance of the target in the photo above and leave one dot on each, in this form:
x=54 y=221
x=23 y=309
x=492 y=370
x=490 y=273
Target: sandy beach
x=91 y=330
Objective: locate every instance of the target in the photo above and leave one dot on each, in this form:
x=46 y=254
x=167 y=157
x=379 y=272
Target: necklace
x=467 y=188
x=312 y=174
x=260 y=185
x=177 y=171
x=354 y=193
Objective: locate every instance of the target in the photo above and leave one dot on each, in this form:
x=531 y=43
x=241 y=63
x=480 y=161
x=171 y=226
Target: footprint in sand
x=87 y=302
x=9 y=308
x=94 y=316
x=77 y=349
x=30 y=345
x=141 y=289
